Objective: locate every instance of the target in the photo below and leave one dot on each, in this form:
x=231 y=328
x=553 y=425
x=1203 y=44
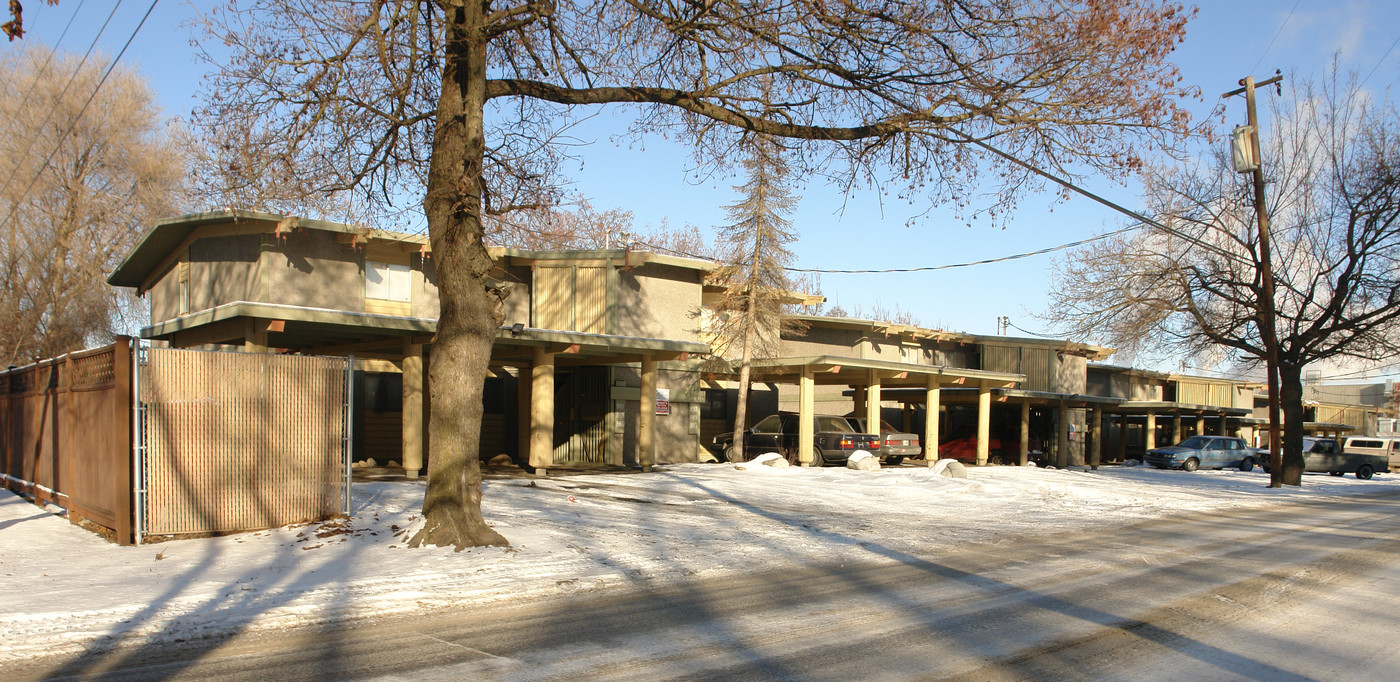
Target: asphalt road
x=1305 y=591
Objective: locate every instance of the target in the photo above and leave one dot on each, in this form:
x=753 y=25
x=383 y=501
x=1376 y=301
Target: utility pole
x=1265 y=307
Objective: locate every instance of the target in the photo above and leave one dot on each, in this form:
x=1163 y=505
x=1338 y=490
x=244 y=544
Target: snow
x=67 y=589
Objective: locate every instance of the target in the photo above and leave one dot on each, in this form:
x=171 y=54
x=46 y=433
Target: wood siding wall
x=239 y=441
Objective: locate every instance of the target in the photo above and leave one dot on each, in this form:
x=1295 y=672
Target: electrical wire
x=57 y=99
x=1277 y=33
x=59 y=143
x=1380 y=61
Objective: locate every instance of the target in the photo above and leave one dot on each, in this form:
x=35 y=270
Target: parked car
x=834 y=439
x=1388 y=447
x=895 y=445
x=1212 y=452
x=1326 y=455
x=965 y=450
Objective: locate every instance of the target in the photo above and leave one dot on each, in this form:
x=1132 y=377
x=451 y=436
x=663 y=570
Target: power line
x=1277 y=33
x=1380 y=61
x=59 y=143
x=59 y=98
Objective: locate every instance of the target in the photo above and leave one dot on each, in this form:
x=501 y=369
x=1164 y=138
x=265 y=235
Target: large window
x=388 y=282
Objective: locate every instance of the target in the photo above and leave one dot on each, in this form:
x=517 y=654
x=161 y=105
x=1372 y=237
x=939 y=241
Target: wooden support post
x=1224 y=425
x=1176 y=429
x=541 y=411
x=932 y=401
x=872 y=405
x=1149 y=438
x=984 y=421
x=412 y=415
x=806 y=410
x=1024 y=454
x=859 y=393
x=524 y=383
x=646 y=420
x=1062 y=435
x=1201 y=425
x=1096 y=433
x=255 y=337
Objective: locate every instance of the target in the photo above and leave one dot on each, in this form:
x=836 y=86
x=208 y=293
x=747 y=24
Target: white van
x=1383 y=446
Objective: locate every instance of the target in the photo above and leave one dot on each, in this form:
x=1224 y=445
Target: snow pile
x=67 y=589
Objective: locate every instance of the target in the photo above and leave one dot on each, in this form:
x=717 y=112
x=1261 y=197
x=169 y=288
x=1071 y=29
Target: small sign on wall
x=663 y=401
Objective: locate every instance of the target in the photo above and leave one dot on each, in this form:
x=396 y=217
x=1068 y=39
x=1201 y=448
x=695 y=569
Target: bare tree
x=464 y=104
x=81 y=181
x=1333 y=170
x=750 y=314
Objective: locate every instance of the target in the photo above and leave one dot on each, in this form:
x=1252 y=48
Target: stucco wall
x=823 y=341
x=1070 y=374
x=165 y=297
x=308 y=268
x=223 y=270
x=658 y=302
x=425 y=289
x=672 y=438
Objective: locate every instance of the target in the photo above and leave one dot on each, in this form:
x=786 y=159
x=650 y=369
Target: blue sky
x=1225 y=42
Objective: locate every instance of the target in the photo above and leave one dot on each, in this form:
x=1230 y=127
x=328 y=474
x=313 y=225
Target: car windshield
x=1196 y=442
x=770 y=424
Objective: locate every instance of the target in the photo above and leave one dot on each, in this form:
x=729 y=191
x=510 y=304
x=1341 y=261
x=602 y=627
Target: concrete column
x=984 y=421
x=908 y=418
x=1096 y=434
x=646 y=421
x=932 y=404
x=413 y=410
x=806 y=410
x=1224 y=426
x=1122 y=437
x=872 y=405
x=541 y=411
x=1176 y=429
x=859 y=399
x=1025 y=451
x=1062 y=435
x=1200 y=425
x=1150 y=437
x=1247 y=433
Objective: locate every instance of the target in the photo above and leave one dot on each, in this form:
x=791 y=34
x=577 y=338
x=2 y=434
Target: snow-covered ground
x=66 y=589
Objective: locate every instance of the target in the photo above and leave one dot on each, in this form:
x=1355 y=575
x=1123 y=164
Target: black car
x=834 y=439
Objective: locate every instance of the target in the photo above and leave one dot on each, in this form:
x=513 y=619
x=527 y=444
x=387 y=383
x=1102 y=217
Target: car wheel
x=1190 y=465
x=1337 y=473
x=1247 y=464
x=997 y=458
x=1365 y=472
x=894 y=460
x=816 y=458
x=732 y=454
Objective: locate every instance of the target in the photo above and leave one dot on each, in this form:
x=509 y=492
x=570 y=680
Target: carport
x=868 y=379
x=403 y=341
x=1151 y=410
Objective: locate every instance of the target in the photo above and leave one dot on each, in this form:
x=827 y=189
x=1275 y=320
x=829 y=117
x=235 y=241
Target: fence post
x=122 y=368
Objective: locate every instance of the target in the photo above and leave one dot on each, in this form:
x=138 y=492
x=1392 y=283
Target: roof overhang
x=836 y=370
x=337 y=332
x=1162 y=407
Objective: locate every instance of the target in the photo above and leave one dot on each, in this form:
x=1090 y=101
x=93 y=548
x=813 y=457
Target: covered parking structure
x=406 y=341
x=870 y=379
x=1228 y=421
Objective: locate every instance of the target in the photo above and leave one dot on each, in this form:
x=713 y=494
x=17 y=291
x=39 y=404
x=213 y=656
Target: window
x=388 y=282
x=770 y=424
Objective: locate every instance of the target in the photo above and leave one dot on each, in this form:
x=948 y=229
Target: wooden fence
x=67 y=434
x=226 y=441
x=240 y=441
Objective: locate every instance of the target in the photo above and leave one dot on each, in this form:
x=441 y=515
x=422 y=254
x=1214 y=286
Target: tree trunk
x=471 y=311
x=741 y=411
x=1290 y=380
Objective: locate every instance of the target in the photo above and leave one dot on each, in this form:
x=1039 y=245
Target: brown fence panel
x=241 y=441
x=67 y=434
